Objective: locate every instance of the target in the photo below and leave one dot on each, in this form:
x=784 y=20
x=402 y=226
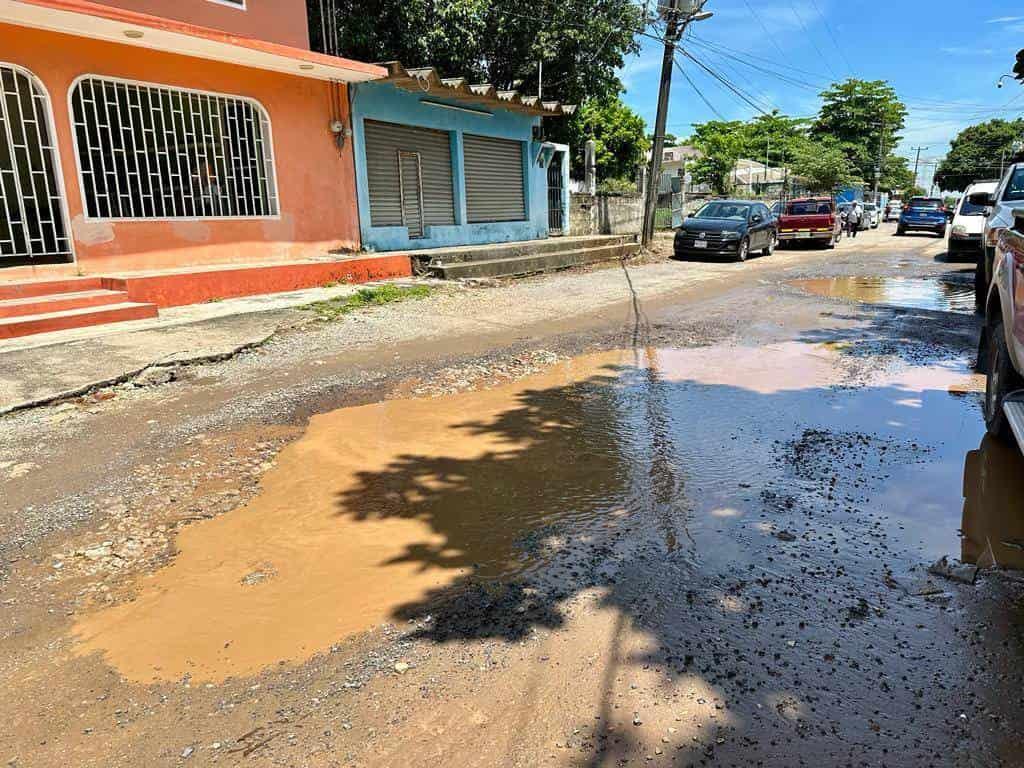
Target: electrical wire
x=697 y=90
x=835 y=41
x=810 y=39
x=724 y=81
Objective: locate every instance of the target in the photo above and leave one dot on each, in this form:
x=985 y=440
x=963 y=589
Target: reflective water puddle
x=379 y=510
x=943 y=295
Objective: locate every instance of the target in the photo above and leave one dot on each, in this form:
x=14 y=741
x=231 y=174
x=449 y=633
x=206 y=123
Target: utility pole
x=917 y=162
x=678 y=14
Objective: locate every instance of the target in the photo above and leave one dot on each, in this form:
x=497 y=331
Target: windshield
x=809 y=208
x=719 y=210
x=968 y=208
x=1015 y=189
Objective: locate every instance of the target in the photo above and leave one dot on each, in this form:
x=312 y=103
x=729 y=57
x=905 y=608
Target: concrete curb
x=92 y=386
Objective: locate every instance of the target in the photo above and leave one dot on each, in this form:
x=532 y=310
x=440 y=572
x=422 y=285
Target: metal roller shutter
x=383 y=143
x=494 y=179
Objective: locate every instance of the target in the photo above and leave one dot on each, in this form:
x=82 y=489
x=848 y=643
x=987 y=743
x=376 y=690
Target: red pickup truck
x=810 y=218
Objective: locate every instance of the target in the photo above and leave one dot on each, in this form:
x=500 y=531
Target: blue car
x=923 y=214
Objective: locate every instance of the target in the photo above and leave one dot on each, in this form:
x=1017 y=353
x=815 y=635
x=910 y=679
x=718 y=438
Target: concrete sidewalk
x=47 y=367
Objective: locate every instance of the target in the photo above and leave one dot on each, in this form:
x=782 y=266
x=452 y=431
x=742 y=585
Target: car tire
x=743 y=250
x=901 y=231
x=942 y=233
x=1000 y=380
x=770 y=248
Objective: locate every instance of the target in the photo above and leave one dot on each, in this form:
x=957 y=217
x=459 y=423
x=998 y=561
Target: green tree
x=774 y=137
x=582 y=43
x=866 y=118
x=620 y=140
x=721 y=144
x=977 y=153
x=823 y=164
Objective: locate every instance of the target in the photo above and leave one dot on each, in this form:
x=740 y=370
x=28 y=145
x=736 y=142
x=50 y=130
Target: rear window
x=808 y=208
x=927 y=203
x=967 y=208
x=1015 y=189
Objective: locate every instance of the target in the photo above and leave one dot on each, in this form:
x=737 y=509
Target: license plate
x=803 y=234
x=700 y=244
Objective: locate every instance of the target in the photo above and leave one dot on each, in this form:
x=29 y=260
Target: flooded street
x=717 y=547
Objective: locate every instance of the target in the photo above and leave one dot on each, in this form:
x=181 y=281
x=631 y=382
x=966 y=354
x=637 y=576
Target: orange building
x=167 y=134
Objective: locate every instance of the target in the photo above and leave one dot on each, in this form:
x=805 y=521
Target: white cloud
x=1005 y=19
x=960 y=50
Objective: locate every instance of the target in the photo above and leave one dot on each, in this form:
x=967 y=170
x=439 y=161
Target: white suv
x=1009 y=194
x=968 y=223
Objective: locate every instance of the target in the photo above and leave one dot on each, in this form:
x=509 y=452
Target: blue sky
x=942 y=56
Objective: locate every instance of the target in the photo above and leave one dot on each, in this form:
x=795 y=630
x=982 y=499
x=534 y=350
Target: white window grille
x=152 y=152
x=33 y=227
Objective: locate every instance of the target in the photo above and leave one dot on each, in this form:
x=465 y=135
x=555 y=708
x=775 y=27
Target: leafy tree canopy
x=581 y=42
x=619 y=137
x=823 y=164
x=721 y=144
x=866 y=118
x=978 y=152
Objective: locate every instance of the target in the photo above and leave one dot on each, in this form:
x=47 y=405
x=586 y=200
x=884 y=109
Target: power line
x=697 y=90
x=807 y=32
x=828 y=28
x=768 y=34
x=724 y=81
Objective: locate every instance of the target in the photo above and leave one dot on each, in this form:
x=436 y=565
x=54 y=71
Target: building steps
x=532 y=263
x=30 y=288
x=513 y=250
x=28 y=325
x=59 y=302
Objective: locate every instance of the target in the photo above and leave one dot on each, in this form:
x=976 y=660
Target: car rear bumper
x=924 y=226
x=825 y=234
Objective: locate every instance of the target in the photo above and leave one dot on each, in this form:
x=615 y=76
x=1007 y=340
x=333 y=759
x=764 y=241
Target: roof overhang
x=102 y=22
x=427 y=80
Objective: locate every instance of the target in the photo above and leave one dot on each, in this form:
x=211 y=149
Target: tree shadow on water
x=591 y=485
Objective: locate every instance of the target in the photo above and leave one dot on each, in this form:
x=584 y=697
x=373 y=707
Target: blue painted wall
x=385 y=102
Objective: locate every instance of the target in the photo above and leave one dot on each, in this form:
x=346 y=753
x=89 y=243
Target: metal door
x=411 y=189
x=494 y=179
x=383 y=143
x=33 y=225
x=556 y=209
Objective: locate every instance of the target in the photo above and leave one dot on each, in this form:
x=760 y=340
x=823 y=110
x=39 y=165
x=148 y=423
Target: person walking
x=853 y=218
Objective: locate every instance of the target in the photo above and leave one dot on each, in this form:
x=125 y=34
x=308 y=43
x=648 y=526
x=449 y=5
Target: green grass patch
x=331 y=309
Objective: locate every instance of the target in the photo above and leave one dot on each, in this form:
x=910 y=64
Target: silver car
x=872 y=214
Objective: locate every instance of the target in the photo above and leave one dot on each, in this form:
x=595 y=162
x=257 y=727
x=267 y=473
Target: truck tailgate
x=817 y=221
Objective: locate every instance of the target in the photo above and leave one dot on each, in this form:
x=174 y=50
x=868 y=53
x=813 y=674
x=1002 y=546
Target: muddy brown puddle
x=380 y=511
x=936 y=294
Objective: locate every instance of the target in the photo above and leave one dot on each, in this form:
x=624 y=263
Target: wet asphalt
x=705 y=535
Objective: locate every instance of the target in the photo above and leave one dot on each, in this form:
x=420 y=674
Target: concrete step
x=531 y=264
x=31 y=288
x=496 y=251
x=59 y=302
x=28 y=325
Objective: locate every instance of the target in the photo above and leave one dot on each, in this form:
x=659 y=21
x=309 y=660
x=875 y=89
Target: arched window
x=33 y=224
x=154 y=152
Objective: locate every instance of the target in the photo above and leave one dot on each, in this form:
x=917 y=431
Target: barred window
x=152 y=152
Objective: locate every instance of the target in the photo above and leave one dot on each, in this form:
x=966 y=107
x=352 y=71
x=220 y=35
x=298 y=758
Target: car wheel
x=1000 y=380
x=901 y=231
x=942 y=233
x=770 y=248
x=743 y=250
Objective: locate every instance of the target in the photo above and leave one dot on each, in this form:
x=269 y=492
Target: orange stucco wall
x=316 y=182
x=278 y=21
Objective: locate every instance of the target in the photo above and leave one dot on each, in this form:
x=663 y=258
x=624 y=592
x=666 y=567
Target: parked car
x=732 y=228
x=865 y=223
x=1003 y=344
x=871 y=213
x=969 y=221
x=925 y=214
x=1009 y=194
x=812 y=219
x=893 y=209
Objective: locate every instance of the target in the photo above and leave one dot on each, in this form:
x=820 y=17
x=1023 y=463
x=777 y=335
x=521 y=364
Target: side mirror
x=982 y=199
x=757 y=218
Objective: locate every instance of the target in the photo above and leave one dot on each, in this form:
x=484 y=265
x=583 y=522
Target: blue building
x=440 y=162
